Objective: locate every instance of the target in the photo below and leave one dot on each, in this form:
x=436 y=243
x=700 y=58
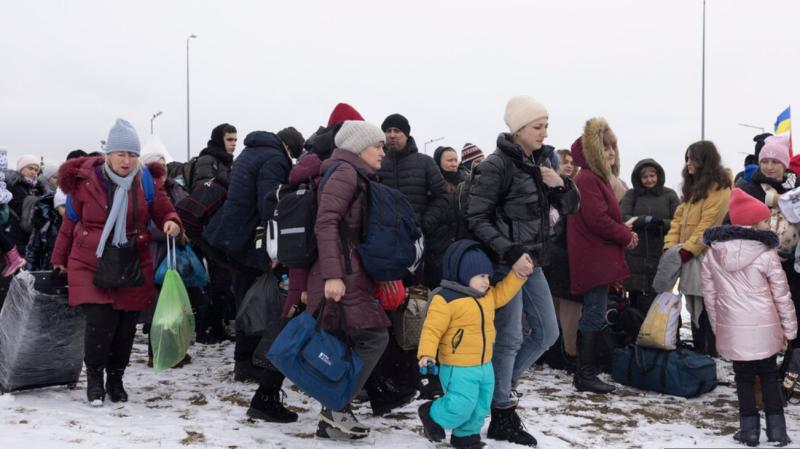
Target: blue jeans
x=526 y=327
x=595 y=303
x=467 y=397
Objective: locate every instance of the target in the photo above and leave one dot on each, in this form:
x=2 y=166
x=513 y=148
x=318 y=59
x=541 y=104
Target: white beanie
x=356 y=136
x=148 y=158
x=26 y=160
x=60 y=198
x=49 y=170
x=522 y=110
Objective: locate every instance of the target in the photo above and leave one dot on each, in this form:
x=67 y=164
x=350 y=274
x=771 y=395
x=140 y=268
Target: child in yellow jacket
x=460 y=328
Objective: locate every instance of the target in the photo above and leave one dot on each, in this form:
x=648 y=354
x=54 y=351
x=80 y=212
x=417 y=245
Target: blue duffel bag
x=679 y=373
x=323 y=366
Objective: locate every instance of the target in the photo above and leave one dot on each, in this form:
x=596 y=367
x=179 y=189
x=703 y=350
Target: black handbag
x=119 y=266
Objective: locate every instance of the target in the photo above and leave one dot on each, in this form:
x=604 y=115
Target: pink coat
x=746 y=294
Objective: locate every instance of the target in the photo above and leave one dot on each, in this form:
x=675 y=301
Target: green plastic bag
x=173 y=322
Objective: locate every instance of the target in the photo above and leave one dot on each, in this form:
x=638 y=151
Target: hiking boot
x=341 y=425
x=114 y=385
x=585 y=378
x=505 y=425
x=269 y=407
x=385 y=395
x=13 y=263
x=467 y=442
x=776 y=430
x=433 y=431
x=749 y=430
x=95 y=393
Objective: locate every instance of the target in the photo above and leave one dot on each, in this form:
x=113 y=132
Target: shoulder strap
x=70 y=212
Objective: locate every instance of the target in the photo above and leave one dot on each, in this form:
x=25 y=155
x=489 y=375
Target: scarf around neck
x=117 y=216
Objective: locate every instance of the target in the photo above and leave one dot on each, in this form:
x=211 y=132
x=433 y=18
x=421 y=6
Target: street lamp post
x=188 y=135
x=155 y=116
x=425 y=146
x=703 y=88
x=763 y=130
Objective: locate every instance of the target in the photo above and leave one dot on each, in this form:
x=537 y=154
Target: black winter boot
x=95 y=392
x=269 y=407
x=749 y=430
x=467 y=442
x=433 y=431
x=385 y=395
x=585 y=378
x=776 y=430
x=507 y=426
x=114 y=385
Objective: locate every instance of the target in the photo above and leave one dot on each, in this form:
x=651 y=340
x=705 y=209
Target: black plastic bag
x=261 y=306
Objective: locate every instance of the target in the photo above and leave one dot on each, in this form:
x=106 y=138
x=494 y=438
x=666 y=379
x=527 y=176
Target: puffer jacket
x=415 y=175
x=335 y=203
x=692 y=219
x=597 y=229
x=746 y=294
x=509 y=205
x=212 y=163
x=659 y=203
x=442 y=224
x=20 y=189
x=460 y=321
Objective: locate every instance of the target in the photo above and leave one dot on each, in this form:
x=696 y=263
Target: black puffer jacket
x=509 y=204
x=20 y=189
x=441 y=225
x=415 y=175
x=213 y=163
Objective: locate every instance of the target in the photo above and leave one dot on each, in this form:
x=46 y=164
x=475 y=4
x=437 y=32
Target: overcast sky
x=69 y=68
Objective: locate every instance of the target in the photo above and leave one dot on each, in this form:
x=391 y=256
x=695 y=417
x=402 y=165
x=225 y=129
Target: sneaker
x=344 y=422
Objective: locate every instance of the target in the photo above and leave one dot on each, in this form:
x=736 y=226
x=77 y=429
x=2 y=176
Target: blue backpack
x=149 y=193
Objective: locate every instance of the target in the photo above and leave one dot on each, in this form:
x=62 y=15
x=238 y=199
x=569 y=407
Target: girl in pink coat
x=750 y=310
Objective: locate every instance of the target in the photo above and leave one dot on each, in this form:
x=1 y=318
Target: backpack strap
x=70 y=212
x=148 y=185
x=344 y=228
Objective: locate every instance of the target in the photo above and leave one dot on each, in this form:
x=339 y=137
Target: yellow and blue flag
x=784 y=122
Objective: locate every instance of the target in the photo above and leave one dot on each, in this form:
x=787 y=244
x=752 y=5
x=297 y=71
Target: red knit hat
x=342 y=112
x=745 y=210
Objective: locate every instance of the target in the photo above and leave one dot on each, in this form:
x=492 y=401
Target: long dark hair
x=709 y=172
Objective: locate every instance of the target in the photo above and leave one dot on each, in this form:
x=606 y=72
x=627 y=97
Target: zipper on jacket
x=483 y=330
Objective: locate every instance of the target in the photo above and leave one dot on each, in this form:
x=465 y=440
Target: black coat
x=415 y=175
x=259 y=169
x=441 y=225
x=20 y=189
x=509 y=204
x=213 y=163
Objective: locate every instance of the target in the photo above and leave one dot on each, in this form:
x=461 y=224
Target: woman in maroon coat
x=342 y=195
x=110 y=313
x=596 y=230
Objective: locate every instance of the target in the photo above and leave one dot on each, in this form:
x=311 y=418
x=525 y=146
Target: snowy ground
x=201 y=406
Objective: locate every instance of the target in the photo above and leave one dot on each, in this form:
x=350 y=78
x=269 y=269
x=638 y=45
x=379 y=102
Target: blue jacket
x=261 y=167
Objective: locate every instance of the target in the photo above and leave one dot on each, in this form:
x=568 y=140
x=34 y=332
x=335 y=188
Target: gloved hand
x=657 y=222
x=685 y=255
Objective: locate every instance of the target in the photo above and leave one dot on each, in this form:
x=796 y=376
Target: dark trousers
x=6 y=245
x=109 y=336
x=397 y=364
x=219 y=291
x=703 y=337
x=369 y=344
x=245 y=344
x=767 y=371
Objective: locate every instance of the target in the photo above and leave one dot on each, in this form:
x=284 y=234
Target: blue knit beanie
x=473 y=263
x=122 y=137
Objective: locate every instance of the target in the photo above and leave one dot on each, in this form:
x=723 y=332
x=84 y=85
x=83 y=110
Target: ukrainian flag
x=784 y=122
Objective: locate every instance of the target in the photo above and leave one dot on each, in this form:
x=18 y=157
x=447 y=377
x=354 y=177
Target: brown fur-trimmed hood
x=590 y=150
x=73 y=171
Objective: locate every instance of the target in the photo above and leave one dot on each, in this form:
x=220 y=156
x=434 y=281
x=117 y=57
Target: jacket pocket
x=458 y=337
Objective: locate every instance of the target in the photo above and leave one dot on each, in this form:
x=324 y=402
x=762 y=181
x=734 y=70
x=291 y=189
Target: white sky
x=69 y=68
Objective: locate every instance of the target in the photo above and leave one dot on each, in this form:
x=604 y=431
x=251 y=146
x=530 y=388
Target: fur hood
x=73 y=171
x=587 y=150
x=737 y=247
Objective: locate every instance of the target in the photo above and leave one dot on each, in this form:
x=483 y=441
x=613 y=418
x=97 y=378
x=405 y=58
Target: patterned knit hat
x=469 y=153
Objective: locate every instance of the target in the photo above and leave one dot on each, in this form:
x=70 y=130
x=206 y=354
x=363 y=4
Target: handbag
x=323 y=366
x=660 y=327
x=119 y=266
x=679 y=373
x=409 y=318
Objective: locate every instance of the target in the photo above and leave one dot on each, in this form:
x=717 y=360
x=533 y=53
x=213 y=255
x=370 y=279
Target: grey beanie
x=355 y=136
x=122 y=137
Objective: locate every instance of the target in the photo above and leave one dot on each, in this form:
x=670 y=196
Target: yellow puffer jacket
x=462 y=329
x=692 y=219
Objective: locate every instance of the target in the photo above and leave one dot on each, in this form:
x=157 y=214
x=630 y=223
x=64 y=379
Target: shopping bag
x=660 y=327
x=189 y=266
x=173 y=322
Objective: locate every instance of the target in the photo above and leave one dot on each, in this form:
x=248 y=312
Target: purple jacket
x=746 y=294
x=335 y=203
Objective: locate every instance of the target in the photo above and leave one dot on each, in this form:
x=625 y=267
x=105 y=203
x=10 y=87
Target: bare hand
x=634 y=241
x=551 y=178
x=172 y=229
x=334 y=289
x=424 y=361
x=523 y=266
x=60 y=268
x=304 y=297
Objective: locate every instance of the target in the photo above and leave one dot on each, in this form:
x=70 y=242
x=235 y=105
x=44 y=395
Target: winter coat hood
x=452 y=258
x=306 y=168
x=739 y=246
x=262 y=139
x=587 y=150
x=14 y=177
x=218 y=153
x=636 y=177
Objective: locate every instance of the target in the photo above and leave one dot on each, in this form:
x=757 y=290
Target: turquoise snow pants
x=467 y=398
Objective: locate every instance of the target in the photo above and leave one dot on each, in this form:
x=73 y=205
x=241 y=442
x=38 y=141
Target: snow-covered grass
x=201 y=406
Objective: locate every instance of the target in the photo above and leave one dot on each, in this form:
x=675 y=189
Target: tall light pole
x=703 y=88
x=155 y=116
x=188 y=135
x=425 y=146
x=763 y=130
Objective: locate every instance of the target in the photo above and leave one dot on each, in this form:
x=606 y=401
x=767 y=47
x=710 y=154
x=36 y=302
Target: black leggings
x=5 y=244
x=109 y=336
x=767 y=371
